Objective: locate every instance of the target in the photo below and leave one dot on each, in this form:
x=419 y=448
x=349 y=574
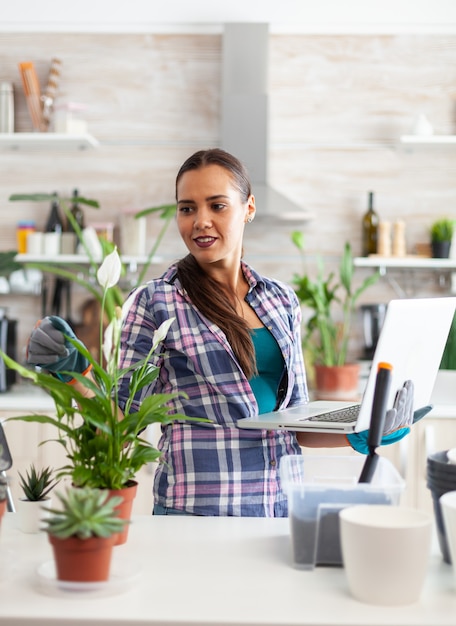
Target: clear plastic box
x=317 y=488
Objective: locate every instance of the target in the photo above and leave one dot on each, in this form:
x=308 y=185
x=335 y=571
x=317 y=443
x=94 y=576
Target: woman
x=234 y=349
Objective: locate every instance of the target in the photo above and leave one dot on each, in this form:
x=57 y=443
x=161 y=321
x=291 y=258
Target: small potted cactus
x=83 y=532
x=36 y=485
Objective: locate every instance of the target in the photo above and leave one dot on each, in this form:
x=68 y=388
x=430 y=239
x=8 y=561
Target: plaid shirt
x=217 y=468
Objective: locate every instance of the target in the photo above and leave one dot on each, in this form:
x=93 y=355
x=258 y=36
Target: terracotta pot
x=338 y=382
x=83 y=560
x=2 y=509
x=124 y=508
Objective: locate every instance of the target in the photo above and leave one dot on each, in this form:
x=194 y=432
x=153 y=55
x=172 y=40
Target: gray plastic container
x=317 y=488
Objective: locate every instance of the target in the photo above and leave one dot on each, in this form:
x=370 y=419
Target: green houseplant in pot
x=36 y=485
x=332 y=303
x=103 y=444
x=441 y=235
x=82 y=533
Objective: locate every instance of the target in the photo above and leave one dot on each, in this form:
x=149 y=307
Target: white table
x=205 y=571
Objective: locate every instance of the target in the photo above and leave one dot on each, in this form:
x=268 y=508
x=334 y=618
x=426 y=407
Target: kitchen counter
x=26 y=397
x=181 y=570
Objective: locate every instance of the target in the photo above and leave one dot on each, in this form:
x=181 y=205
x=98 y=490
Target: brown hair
x=207 y=294
x=216 y=156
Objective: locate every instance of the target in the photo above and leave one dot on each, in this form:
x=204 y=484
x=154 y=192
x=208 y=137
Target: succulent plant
x=85 y=513
x=442 y=230
x=36 y=484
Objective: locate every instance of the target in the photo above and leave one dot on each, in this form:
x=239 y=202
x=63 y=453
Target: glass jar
x=24 y=228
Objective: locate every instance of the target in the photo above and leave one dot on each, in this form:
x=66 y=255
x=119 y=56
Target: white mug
x=35 y=243
x=385 y=552
x=51 y=244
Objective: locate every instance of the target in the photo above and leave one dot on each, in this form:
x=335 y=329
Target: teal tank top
x=270 y=364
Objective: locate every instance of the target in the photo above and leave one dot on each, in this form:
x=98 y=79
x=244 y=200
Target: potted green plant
x=326 y=333
x=441 y=235
x=36 y=485
x=103 y=445
x=82 y=533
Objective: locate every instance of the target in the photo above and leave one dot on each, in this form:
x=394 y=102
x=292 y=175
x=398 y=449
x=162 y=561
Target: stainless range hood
x=245 y=114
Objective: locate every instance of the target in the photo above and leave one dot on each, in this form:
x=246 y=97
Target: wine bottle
x=370 y=228
x=76 y=212
x=54 y=222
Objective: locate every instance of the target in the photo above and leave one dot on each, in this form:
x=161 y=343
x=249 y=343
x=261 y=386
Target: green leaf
x=166 y=211
x=346 y=268
x=297 y=237
x=49 y=197
x=8 y=264
x=84 y=513
x=142 y=378
x=36 y=484
x=332 y=302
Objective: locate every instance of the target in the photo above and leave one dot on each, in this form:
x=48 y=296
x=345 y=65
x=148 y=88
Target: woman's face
x=211 y=215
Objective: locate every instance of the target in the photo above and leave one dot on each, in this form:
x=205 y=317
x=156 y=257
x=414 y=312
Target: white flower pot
x=31 y=514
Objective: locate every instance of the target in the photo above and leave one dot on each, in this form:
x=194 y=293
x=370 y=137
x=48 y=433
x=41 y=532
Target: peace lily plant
x=103 y=445
x=332 y=302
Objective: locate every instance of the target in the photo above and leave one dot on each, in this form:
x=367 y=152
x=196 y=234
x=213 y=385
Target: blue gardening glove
x=50 y=349
x=398 y=420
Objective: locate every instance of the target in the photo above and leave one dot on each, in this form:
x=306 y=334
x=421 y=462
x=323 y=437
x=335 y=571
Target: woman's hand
x=398 y=420
x=49 y=348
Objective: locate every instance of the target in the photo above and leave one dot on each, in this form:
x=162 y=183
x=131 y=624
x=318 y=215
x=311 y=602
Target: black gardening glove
x=49 y=348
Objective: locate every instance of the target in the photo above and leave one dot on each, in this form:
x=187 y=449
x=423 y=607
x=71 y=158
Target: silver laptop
x=412 y=339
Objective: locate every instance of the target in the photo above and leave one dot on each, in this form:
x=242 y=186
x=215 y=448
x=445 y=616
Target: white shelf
x=407 y=262
x=79 y=259
x=431 y=140
x=47 y=141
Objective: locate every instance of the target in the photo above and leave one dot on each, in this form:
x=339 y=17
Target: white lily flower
x=111 y=342
x=161 y=332
x=108 y=273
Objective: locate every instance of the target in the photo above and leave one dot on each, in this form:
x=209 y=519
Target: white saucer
x=122 y=577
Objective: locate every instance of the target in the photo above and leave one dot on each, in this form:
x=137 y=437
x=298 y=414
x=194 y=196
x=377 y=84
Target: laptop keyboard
x=349 y=414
